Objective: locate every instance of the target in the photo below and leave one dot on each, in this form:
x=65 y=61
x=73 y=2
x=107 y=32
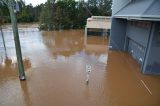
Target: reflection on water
x=55 y=63
x=25 y=93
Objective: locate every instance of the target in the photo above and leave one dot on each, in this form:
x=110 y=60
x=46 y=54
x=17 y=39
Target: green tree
x=82 y=14
x=105 y=7
x=65 y=14
x=4 y=13
x=46 y=15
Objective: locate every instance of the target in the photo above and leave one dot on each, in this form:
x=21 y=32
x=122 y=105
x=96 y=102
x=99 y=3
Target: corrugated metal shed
x=141 y=10
x=154 y=9
x=118 y=5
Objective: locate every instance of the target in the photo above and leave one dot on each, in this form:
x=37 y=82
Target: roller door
x=137 y=35
x=136 y=50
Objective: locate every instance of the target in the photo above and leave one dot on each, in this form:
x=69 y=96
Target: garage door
x=137 y=35
x=136 y=50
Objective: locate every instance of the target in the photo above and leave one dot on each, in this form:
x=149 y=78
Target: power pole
x=11 y=7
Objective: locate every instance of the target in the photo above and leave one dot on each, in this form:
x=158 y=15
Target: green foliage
x=27 y=13
x=46 y=16
x=4 y=13
x=59 y=14
x=100 y=7
x=66 y=14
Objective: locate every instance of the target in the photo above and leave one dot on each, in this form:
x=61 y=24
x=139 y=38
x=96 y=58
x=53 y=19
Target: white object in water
x=140 y=59
x=110 y=47
x=132 y=51
x=88 y=70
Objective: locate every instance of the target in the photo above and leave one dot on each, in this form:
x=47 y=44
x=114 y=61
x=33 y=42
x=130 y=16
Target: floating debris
x=88 y=70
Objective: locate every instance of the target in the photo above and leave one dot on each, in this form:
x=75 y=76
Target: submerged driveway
x=55 y=65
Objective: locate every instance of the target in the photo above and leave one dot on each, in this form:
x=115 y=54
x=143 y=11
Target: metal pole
x=3 y=40
x=12 y=11
x=85 y=36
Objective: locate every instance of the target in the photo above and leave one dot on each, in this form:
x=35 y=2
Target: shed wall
x=152 y=65
x=118 y=33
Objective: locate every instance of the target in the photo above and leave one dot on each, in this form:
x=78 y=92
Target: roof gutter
x=139 y=17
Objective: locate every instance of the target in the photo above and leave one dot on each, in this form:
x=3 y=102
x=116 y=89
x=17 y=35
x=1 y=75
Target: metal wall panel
x=118 y=33
x=118 y=5
x=154 y=10
x=136 y=7
x=138 y=33
x=152 y=63
x=137 y=51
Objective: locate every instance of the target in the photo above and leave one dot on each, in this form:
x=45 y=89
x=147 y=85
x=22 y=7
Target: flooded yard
x=55 y=66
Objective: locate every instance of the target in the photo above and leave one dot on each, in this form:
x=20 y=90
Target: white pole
x=85 y=36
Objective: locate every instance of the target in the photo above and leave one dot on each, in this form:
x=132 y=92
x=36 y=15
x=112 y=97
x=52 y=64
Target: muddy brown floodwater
x=55 y=66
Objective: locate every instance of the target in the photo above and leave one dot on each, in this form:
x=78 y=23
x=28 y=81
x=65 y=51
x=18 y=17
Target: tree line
x=27 y=13
x=59 y=14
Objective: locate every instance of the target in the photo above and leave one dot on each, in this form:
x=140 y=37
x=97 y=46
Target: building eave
x=139 y=17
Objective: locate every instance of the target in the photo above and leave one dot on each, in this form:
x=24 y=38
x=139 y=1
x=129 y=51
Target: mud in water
x=55 y=66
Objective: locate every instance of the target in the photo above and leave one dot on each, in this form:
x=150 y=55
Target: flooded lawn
x=55 y=65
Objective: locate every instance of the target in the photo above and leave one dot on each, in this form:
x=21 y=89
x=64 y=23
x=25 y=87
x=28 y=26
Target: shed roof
x=141 y=10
